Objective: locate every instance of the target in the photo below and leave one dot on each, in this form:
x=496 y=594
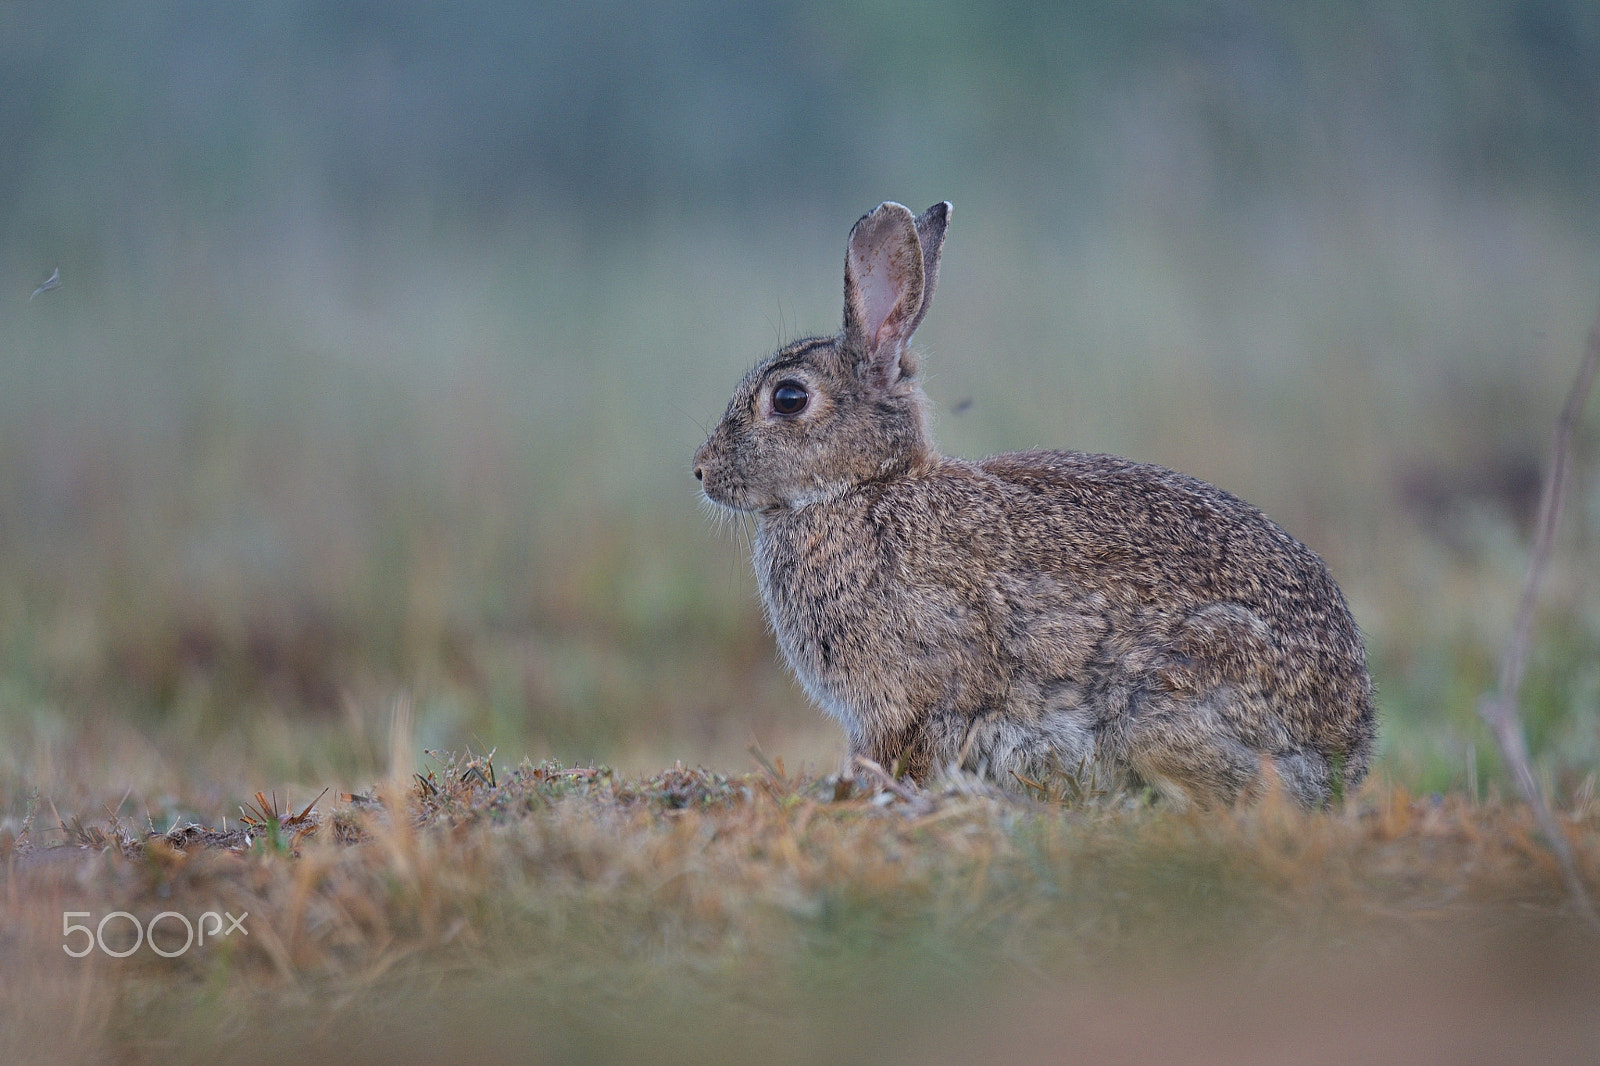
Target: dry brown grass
x=571 y=914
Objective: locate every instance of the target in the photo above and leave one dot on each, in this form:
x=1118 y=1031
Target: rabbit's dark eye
x=789 y=398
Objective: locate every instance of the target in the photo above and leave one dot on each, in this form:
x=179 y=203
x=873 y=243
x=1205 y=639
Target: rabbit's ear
x=883 y=288
x=931 y=225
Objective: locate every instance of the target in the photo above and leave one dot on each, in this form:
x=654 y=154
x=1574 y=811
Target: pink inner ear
x=882 y=280
x=884 y=336
x=877 y=292
x=883 y=283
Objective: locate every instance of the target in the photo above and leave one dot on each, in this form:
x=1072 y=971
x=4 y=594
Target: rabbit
x=1034 y=612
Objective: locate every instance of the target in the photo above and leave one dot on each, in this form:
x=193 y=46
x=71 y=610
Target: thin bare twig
x=1500 y=710
x=914 y=798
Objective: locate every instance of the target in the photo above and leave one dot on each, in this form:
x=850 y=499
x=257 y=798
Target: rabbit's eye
x=789 y=398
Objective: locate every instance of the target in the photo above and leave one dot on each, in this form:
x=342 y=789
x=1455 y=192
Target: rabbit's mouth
x=726 y=500
x=724 y=488
x=725 y=492
x=720 y=480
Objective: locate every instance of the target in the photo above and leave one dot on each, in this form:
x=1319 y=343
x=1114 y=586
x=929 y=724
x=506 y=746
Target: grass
x=576 y=914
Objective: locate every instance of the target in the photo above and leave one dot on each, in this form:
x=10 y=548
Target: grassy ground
x=571 y=914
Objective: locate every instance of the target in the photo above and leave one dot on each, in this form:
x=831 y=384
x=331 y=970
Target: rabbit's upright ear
x=931 y=225
x=884 y=289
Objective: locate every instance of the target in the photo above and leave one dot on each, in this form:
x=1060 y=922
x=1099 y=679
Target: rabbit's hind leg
x=1306 y=776
x=1181 y=748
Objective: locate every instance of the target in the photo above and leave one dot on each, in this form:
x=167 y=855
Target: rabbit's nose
x=699 y=474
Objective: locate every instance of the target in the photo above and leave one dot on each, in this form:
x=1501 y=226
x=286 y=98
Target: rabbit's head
x=826 y=414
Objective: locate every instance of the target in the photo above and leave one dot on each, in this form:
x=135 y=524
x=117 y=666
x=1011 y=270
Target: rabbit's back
x=1202 y=592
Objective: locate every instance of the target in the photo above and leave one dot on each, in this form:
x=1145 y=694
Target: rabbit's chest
x=827 y=600
x=862 y=629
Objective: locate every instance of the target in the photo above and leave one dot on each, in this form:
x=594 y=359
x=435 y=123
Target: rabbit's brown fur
x=1035 y=611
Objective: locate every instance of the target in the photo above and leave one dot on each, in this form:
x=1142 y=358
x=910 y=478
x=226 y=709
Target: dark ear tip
x=935 y=220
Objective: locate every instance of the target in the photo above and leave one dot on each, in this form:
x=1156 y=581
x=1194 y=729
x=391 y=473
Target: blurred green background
x=386 y=332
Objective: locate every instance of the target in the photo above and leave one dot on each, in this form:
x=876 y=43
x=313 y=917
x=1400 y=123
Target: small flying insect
x=52 y=282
